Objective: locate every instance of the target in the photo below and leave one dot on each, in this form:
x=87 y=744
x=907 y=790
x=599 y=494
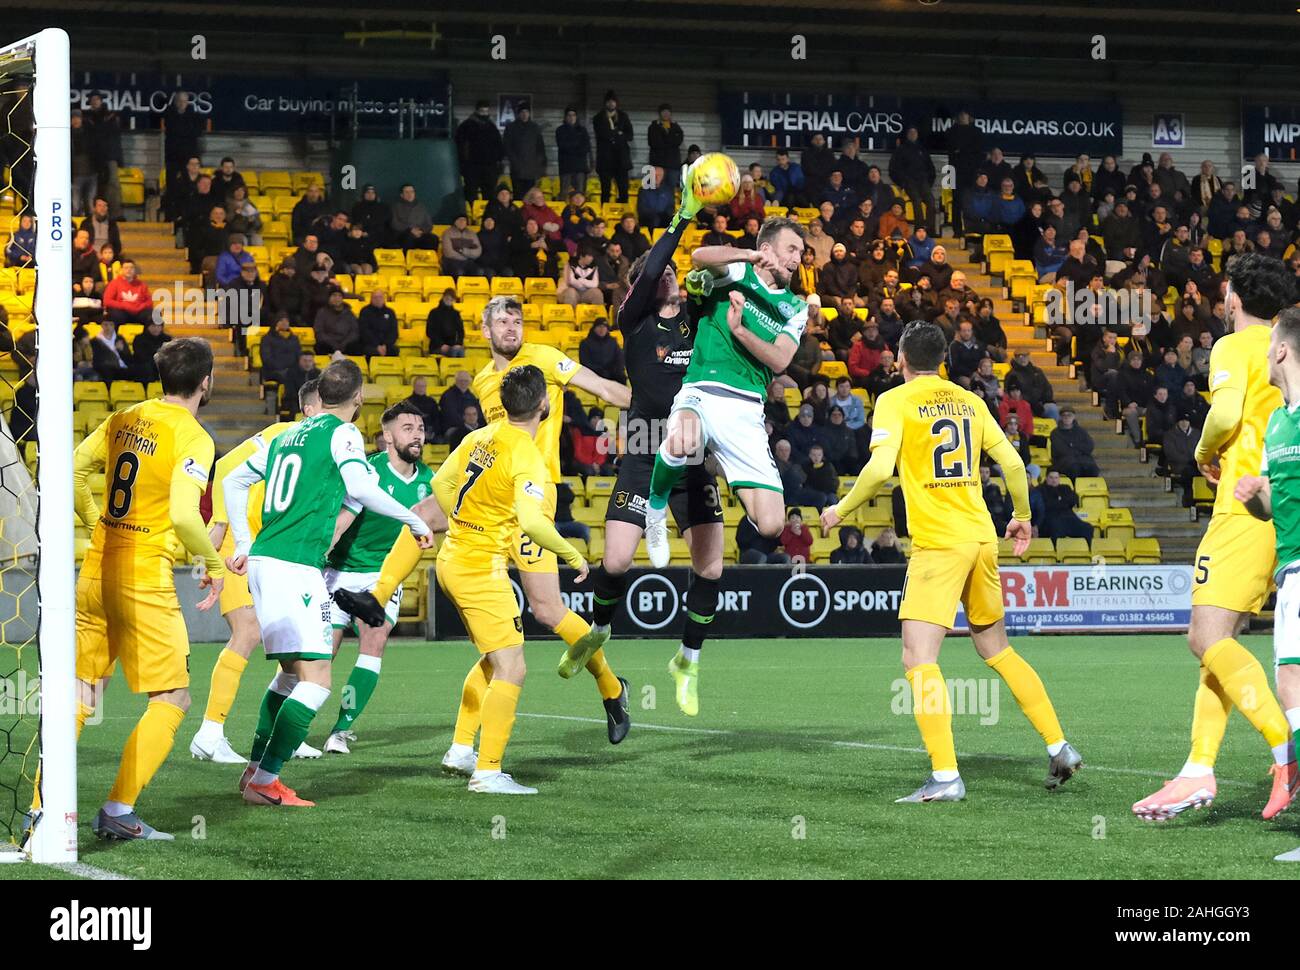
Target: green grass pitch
x=790 y=771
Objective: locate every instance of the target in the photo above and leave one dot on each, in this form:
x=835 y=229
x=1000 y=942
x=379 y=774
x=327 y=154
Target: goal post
x=37 y=68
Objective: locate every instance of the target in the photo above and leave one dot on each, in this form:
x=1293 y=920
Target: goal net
x=37 y=579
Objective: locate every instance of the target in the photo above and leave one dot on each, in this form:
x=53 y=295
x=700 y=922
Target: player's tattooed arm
x=775 y=356
x=619 y=395
x=1254 y=492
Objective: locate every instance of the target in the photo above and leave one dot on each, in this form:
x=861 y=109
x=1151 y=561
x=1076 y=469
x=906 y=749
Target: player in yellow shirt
x=492 y=487
x=935 y=431
x=210 y=743
x=157 y=458
x=1235 y=560
x=503 y=327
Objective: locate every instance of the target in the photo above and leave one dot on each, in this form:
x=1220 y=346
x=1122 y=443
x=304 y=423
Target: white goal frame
x=55 y=837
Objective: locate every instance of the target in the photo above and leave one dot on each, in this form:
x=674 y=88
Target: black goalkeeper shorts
x=695 y=500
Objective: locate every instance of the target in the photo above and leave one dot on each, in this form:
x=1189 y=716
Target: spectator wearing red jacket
x=1014 y=403
x=864 y=355
x=748 y=204
x=795 y=539
x=127 y=297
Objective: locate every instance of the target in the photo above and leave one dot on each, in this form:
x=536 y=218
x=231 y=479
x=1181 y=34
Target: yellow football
x=715 y=178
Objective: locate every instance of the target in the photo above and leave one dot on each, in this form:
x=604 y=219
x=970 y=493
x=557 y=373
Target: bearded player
x=503 y=328
x=1235 y=560
x=657 y=339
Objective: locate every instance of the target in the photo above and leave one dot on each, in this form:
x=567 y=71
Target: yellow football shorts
x=485 y=599
x=234 y=593
x=938 y=579
x=527 y=555
x=1234 y=564
x=140 y=626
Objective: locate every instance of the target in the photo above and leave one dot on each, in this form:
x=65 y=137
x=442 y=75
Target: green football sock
x=667 y=473
x=271 y=703
x=356 y=693
x=292 y=724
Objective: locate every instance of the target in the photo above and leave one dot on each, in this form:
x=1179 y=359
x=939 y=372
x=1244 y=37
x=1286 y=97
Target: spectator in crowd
x=471 y=419
x=842 y=199
x=795 y=539
x=1026 y=233
x=1178 y=454
x=774 y=408
x=1059 y=518
x=995 y=499
x=894 y=225
x=937 y=268
x=309 y=255
x=839 y=278
x=718 y=235
x=147 y=343
x=808 y=277
x=226 y=179
x=886 y=551
x=851 y=551
x=748 y=204
x=243 y=304
x=803 y=433
x=846 y=328
x=1204 y=187
x=127 y=298
x=481 y=149
x=853 y=168
x=1200 y=369
x=890 y=323
x=1009 y=209
x=1264 y=182
x=336 y=327
x=600 y=352
x=1107 y=178
x=951 y=317
x=377 y=325
x=755 y=549
x=1014 y=404
x=280 y=350
x=180 y=190
x=1191 y=404
x=182 y=127
x=964 y=354
x=111 y=357
x=284 y=294
x=494 y=245
x=1103 y=372
x=331 y=231
x=912 y=170
x=428 y=408
x=1221 y=213
x=576 y=221
x=305 y=371
x=1170 y=374
x=445 y=328
x=655 y=203
x=316 y=289
x=819 y=242
x=885 y=377
x=87 y=305
x=1049 y=255
x=307 y=210
x=1035 y=385
x=842 y=445
x=84 y=177
x=21 y=251
x=108 y=267
x=664 y=139
x=631 y=237
x=85 y=257
x=456 y=399
x=788 y=182
x=1072 y=448
x=525 y=148
x=409 y=214
x=243 y=216
x=613 y=268
x=817 y=161
x=573 y=152
x=582 y=281
x=612 y=131
x=461 y=250
x=103 y=228
x=371 y=214
x=229 y=263
x=209 y=239
x=532 y=253
x=985 y=382
x=1161 y=415
x=806 y=363
x=1134 y=387
x=820 y=475
x=979 y=207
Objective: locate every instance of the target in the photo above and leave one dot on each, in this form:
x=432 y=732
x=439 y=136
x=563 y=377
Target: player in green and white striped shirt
x=358 y=556
x=1275 y=494
x=309 y=470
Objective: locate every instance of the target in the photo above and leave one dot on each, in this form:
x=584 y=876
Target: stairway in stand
x=235 y=411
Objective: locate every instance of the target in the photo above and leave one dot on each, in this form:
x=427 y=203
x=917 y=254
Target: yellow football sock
x=84 y=711
x=146 y=749
x=225 y=685
x=598 y=667
x=933 y=712
x=1244 y=681
x=1029 y=692
x=471 y=702
x=498 y=719
x=571 y=628
x=1209 y=719
x=398 y=564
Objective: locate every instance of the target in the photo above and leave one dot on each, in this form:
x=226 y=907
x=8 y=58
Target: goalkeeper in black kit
x=657 y=339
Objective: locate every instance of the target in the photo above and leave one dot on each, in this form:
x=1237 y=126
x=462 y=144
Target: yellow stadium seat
x=557 y=313
x=600 y=485
x=1040 y=551
x=390 y=258
x=1143 y=551
x=390 y=366
x=585 y=314
x=508 y=286
x=1117 y=524
x=422 y=262
x=1007 y=552
x=833 y=370
x=275 y=183
x=1107 y=550
x=1073 y=552
x=435 y=286
x=406 y=286
x=89 y=391
x=125 y=393
x=473 y=285
x=300 y=181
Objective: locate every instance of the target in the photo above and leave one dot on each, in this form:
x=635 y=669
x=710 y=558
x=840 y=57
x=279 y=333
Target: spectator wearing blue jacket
x=922 y=246
x=21 y=250
x=1010 y=208
x=979 y=207
x=654 y=207
x=788 y=181
x=1170 y=374
x=855 y=415
x=838 y=194
x=228 y=263
x=1049 y=255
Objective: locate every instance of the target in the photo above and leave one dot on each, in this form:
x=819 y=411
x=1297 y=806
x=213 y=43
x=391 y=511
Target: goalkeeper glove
x=690 y=205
